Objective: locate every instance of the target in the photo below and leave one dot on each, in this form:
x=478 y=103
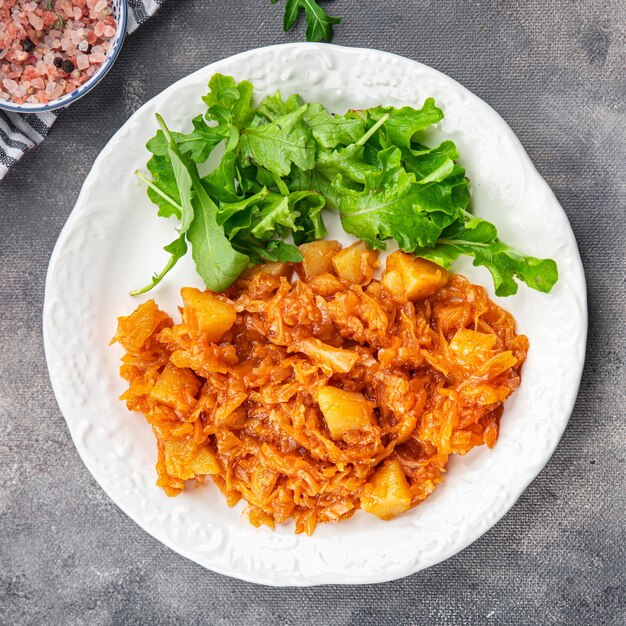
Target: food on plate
x=48 y=49
x=313 y=389
x=286 y=163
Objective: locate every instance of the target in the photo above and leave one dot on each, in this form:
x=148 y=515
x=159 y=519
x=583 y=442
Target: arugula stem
x=462 y=242
x=158 y=191
x=372 y=130
x=166 y=131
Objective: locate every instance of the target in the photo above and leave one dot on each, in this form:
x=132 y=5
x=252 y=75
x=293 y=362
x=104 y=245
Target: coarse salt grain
x=82 y=61
x=9 y=85
x=35 y=21
x=33 y=75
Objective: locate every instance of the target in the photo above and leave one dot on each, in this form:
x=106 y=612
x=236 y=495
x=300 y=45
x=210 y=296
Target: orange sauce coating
x=314 y=397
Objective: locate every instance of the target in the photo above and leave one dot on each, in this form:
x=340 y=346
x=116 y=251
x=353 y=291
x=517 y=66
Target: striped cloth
x=19 y=132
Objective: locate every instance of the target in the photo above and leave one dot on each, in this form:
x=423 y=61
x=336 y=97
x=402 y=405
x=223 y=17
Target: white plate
x=112 y=242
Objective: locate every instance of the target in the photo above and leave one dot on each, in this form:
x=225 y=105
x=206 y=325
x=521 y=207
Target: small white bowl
x=120 y=13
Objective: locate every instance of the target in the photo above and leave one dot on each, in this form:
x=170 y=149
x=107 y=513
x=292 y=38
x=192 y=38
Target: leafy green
x=217 y=262
x=162 y=190
x=177 y=249
x=199 y=143
x=286 y=162
x=479 y=239
x=403 y=124
x=391 y=207
x=332 y=130
x=229 y=102
x=319 y=25
x=275 y=146
x=274 y=106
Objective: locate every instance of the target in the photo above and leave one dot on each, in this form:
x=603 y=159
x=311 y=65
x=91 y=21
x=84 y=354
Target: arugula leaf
x=319 y=25
x=401 y=125
x=275 y=212
x=315 y=180
x=277 y=145
x=392 y=206
x=185 y=189
x=163 y=190
x=274 y=106
x=220 y=182
x=218 y=264
x=332 y=130
x=479 y=239
x=228 y=102
x=198 y=144
x=273 y=251
x=348 y=162
x=228 y=209
x=282 y=252
x=286 y=161
x=309 y=224
x=432 y=163
x=177 y=249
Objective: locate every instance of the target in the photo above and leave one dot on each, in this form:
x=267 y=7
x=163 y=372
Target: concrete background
x=556 y=71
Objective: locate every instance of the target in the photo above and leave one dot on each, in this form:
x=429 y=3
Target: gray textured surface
x=556 y=71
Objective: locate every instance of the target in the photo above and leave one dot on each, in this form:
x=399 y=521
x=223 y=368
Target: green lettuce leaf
x=479 y=239
x=274 y=106
x=198 y=144
x=277 y=145
x=403 y=124
x=394 y=205
x=163 y=191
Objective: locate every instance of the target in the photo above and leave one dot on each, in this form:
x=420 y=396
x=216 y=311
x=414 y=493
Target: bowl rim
x=87 y=86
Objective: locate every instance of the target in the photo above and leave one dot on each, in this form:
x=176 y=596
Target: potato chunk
x=176 y=388
x=344 y=411
x=135 y=329
x=273 y=269
x=356 y=263
x=388 y=493
x=317 y=258
x=411 y=278
x=209 y=314
x=186 y=463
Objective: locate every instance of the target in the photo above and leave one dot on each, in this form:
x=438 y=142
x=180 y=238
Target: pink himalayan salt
x=82 y=61
x=22 y=19
x=9 y=85
x=97 y=58
x=35 y=21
